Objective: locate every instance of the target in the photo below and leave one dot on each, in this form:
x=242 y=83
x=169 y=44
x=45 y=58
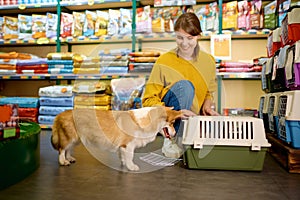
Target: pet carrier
x=273 y=113
x=266 y=77
x=289 y=118
x=278 y=71
x=225 y=143
x=290 y=26
x=274 y=42
x=292 y=67
x=263 y=110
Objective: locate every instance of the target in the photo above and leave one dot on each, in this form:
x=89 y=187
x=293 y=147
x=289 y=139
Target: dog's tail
x=54 y=136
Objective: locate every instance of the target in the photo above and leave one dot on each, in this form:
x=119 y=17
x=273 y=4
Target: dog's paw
x=71 y=159
x=64 y=163
x=133 y=167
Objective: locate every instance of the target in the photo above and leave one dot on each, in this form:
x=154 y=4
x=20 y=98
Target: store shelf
x=239 y=75
x=28 y=8
x=96 y=4
x=45 y=126
x=70 y=76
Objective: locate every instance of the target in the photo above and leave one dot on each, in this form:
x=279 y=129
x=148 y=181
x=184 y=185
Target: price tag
x=22 y=6
x=91 y=2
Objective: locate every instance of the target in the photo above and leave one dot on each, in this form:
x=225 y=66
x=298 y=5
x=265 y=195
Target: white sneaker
x=170 y=149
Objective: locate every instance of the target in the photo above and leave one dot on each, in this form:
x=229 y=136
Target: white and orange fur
x=124 y=130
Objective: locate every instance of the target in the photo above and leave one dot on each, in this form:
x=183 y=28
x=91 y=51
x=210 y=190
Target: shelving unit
x=136 y=40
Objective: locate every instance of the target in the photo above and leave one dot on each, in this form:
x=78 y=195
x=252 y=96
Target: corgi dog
x=123 y=131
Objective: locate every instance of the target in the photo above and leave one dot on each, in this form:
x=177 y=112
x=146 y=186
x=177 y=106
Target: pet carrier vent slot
x=289 y=70
x=281 y=115
x=270 y=113
x=261 y=107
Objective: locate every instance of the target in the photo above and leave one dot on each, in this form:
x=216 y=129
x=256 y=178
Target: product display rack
x=134 y=39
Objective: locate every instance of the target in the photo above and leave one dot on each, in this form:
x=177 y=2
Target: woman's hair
x=188 y=22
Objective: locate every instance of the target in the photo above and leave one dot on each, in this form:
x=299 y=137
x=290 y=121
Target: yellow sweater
x=170 y=69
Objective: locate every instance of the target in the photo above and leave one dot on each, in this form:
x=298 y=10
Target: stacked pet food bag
x=142 y=61
x=92 y=94
x=27 y=107
x=86 y=65
x=114 y=61
x=21 y=63
x=60 y=63
x=54 y=100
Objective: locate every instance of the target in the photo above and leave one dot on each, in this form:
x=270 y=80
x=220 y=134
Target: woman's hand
x=187 y=113
x=208 y=108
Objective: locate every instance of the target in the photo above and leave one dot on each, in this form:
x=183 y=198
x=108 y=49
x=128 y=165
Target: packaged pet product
x=1 y=27
x=92 y=86
x=143 y=20
x=256 y=16
x=212 y=17
x=39 y=23
x=230 y=15
x=113 y=23
x=169 y=25
x=9 y=121
x=270 y=16
x=60 y=56
x=89 y=24
x=101 y=23
x=56 y=91
x=243 y=15
x=125 y=21
x=78 y=24
x=25 y=26
x=51 y=26
x=157 y=20
x=283 y=8
x=200 y=11
x=10 y=29
x=127 y=93
x=66 y=24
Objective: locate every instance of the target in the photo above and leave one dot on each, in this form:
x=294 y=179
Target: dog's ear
x=174 y=114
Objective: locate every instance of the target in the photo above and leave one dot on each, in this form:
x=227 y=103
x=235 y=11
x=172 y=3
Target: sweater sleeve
x=154 y=88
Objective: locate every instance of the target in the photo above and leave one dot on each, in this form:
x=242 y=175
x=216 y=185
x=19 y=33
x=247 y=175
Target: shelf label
x=22 y=6
x=91 y=2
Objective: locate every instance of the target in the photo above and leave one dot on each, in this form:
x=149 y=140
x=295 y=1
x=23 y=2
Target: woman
x=183 y=78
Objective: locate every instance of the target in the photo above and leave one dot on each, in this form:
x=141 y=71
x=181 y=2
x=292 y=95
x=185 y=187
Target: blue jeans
x=180 y=96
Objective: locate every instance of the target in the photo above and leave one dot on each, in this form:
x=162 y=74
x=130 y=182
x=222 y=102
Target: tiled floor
x=90 y=179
